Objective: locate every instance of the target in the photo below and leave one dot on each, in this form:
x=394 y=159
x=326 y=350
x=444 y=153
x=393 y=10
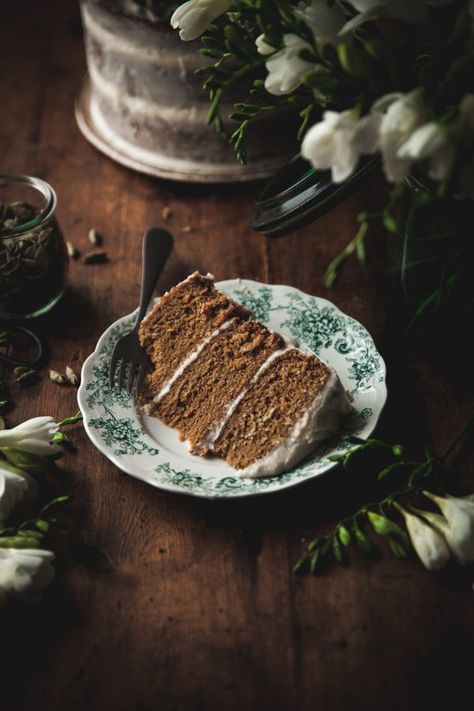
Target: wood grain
x=200 y=609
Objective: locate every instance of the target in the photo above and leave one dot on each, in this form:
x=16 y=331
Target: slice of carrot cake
x=232 y=388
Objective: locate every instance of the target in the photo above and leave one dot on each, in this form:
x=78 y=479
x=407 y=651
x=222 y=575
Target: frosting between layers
x=212 y=435
x=191 y=358
x=323 y=417
x=147 y=55
x=140 y=106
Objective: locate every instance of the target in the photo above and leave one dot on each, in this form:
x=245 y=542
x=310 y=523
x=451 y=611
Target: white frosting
x=140 y=106
x=190 y=359
x=322 y=419
x=175 y=166
x=145 y=54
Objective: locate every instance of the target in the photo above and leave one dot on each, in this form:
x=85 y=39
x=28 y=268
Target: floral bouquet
x=392 y=78
x=27 y=453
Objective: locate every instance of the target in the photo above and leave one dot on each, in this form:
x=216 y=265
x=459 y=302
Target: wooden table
x=200 y=609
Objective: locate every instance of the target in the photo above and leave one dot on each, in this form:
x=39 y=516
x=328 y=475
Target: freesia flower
x=338 y=141
x=195 y=16
x=323 y=19
x=14 y=484
x=285 y=68
x=33 y=436
x=430 y=141
x=456 y=524
x=403 y=116
x=428 y=543
x=262 y=46
x=24 y=572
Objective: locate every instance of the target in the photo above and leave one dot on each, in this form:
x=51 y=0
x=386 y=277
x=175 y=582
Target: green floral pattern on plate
x=128 y=439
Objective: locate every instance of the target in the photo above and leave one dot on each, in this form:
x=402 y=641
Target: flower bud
x=428 y=543
x=456 y=524
x=32 y=463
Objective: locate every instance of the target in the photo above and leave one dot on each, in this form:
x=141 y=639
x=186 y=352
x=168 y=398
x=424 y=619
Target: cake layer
x=188 y=314
x=206 y=388
x=267 y=412
x=232 y=388
x=292 y=405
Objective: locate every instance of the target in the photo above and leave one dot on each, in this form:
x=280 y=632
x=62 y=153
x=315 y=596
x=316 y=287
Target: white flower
x=195 y=16
x=286 y=67
x=403 y=116
x=323 y=19
x=338 y=141
x=33 y=436
x=262 y=46
x=430 y=141
x=14 y=484
x=429 y=544
x=24 y=572
x=456 y=524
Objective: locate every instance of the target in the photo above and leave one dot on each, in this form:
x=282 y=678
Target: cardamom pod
x=56 y=377
x=71 y=250
x=71 y=376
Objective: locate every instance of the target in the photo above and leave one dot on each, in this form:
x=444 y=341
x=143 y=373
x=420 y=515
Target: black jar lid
x=299 y=194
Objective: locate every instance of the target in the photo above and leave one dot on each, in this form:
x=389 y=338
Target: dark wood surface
x=200 y=609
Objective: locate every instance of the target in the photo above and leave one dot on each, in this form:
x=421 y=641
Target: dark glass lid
x=299 y=194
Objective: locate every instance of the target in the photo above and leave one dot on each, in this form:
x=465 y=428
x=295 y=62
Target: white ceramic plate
x=148 y=450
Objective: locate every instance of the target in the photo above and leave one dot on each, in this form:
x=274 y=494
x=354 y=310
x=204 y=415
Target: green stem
x=355 y=245
x=458 y=438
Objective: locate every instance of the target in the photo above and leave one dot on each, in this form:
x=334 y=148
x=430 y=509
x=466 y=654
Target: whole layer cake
x=148 y=104
x=232 y=388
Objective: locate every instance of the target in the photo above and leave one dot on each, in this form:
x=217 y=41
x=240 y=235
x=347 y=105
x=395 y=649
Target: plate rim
x=206 y=494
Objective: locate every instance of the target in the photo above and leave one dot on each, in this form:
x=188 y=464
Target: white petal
x=428 y=543
x=24 y=572
x=366 y=137
x=262 y=46
x=423 y=142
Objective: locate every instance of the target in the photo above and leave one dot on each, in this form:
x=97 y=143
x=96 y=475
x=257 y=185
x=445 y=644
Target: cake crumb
x=187 y=229
x=166 y=213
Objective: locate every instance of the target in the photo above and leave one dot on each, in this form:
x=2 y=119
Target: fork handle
x=157 y=245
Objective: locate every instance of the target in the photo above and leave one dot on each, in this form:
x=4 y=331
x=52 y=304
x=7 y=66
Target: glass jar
x=33 y=254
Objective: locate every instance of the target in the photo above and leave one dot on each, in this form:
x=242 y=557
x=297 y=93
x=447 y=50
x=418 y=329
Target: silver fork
x=157 y=245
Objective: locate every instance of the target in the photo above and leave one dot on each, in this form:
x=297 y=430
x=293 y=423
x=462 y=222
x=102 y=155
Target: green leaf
x=344 y=535
x=42 y=525
x=396 y=537
x=19 y=542
x=301 y=566
x=315 y=562
x=31 y=463
x=364 y=543
x=338 y=551
x=389 y=222
x=316 y=543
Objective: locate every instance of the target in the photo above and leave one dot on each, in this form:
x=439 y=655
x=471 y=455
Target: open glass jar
x=33 y=254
